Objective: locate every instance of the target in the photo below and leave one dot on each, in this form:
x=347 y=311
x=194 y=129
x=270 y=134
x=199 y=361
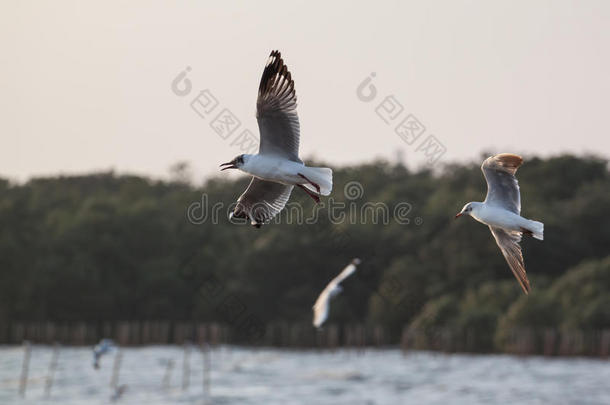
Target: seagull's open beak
x=459 y=214
x=228 y=165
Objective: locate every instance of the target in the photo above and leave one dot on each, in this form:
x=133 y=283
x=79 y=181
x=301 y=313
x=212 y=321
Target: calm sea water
x=271 y=376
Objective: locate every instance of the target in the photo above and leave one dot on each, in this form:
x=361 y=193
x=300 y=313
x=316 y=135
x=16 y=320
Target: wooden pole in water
x=378 y=332
x=27 y=351
x=186 y=366
x=207 y=369
x=52 y=366
x=114 y=381
x=168 y=374
x=604 y=349
x=550 y=336
x=404 y=340
x=360 y=338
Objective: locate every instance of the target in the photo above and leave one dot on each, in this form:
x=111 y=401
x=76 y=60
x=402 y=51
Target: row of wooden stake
x=116 y=368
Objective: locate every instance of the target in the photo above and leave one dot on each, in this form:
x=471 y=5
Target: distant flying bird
x=103 y=347
x=320 y=308
x=501 y=212
x=277 y=167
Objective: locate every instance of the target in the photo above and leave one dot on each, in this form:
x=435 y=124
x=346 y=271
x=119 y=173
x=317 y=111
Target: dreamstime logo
x=353 y=211
x=390 y=289
x=353 y=190
x=406 y=126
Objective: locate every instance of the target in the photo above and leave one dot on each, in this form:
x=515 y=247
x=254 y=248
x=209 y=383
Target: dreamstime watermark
x=406 y=126
x=225 y=124
x=390 y=289
x=232 y=309
x=352 y=211
x=227 y=305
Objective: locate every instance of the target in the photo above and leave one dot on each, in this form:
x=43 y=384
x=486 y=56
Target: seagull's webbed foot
x=526 y=232
x=316 y=185
x=309 y=193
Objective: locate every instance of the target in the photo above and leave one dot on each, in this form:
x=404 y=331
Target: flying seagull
x=103 y=347
x=501 y=212
x=277 y=167
x=320 y=308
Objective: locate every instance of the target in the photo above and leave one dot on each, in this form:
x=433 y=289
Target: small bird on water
x=501 y=211
x=320 y=308
x=277 y=167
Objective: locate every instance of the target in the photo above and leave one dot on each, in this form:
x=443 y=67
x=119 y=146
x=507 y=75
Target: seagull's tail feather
x=537 y=229
x=322 y=176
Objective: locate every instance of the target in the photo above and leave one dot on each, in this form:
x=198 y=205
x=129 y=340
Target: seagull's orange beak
x=459 y=214
x=228 y=165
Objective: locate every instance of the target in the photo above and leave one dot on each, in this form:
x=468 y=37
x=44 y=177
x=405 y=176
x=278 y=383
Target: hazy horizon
x=88 y=87
x=197 y=178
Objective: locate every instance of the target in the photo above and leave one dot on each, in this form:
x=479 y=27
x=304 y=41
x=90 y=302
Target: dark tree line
x=107 y=247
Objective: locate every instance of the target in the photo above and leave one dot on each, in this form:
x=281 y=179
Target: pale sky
x=87 y=86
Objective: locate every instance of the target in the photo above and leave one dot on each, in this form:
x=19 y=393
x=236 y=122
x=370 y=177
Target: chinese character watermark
x=408 y=128
x=222 y=120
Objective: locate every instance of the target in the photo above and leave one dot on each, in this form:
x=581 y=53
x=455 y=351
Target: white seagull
x=277 y=167
x=501 y=212
x=320 y=308
x=103 y=347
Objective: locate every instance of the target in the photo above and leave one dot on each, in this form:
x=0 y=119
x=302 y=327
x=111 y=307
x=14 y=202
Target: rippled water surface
x=271 y=376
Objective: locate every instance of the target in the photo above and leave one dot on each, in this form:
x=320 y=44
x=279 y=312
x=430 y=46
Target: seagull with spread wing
x=320 y=308
x=276 y=169
x=501 y=211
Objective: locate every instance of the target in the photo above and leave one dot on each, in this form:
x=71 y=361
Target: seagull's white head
x=236 y=163
x=469 y=209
